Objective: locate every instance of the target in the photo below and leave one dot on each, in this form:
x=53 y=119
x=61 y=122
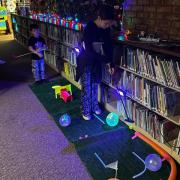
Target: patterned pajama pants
x=89 y=93
x=38 y=69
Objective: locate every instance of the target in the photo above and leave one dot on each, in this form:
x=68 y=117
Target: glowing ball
x=153 y=162
x=112 y=119
x=65 y=120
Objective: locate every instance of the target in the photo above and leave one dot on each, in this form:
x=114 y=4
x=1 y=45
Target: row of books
x=165 y=71
x=53 y=31
x=23 y=31
x=23 y=40
x=52 y=60
x=155 y=97
x=176 y=144
x=53 y=46
x=69 y=54
x=67 y=36
x=161 y=129
x=106 y=77
x=70 y=71
x=70 y=37
x=61 y=34
x=64 y=35
x=42 y=28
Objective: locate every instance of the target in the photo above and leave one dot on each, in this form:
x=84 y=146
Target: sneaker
x=86 y=117
x=97 y=111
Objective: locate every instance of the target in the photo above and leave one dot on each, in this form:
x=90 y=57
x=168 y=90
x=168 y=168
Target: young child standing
x=97 y=50
x=37 y=46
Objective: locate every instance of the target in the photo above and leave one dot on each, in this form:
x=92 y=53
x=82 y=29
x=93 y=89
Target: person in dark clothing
x=36 y=45
x=97 y=50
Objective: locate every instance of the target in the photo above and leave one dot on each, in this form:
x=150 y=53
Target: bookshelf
x=173 y=88
x=61 y=56
x=112 y=107
x=151 y=85
x=60 y=41
x=174 y=120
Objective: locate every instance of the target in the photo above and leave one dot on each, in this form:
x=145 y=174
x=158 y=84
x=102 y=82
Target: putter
x=22 y=55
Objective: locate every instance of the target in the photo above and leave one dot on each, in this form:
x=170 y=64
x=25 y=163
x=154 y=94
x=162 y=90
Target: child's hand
x=40 y=55
x=39 y=50
x=111 y=70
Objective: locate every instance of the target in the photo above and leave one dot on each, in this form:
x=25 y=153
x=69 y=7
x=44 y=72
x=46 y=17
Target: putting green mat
x=109 y=144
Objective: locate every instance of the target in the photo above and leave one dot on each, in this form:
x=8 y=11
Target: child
x=37 y=46
x=97 y=50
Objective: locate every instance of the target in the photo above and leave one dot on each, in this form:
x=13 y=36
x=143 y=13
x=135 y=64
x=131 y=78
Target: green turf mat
x=110 y=144
x=57 y=107
x=115 y=146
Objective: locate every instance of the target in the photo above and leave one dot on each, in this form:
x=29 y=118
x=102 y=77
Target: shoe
x=86 y=117
x=98 y=111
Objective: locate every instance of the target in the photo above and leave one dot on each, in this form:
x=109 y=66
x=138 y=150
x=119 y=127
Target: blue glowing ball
x=65 y=120
x=112 y=119
x=153 y=162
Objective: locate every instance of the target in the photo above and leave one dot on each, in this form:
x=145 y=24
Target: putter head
x=2 y=62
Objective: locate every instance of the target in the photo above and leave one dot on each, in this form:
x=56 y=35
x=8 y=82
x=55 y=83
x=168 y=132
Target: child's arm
x=44 y=47
x=37 y=52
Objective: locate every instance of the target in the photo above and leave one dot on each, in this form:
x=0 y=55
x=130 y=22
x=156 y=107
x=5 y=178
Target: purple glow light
x=121 y=93
x=77 y=50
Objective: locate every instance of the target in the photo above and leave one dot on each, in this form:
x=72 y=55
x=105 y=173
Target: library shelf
x=71 y=80
x=166 y=147
x=175 y=120
x=150 y=79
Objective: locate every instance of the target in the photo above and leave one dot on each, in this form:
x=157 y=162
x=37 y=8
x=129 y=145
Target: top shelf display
x=165 y=48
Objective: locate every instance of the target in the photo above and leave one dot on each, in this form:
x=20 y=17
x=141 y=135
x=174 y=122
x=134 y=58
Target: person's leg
x=42 y=69
x=94 y=99
x=86 y=95
x=35 y=70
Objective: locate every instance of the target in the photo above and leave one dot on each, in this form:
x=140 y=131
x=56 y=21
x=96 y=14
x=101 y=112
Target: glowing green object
x=112 y=119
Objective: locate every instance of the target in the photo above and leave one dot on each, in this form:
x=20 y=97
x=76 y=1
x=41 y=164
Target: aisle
x=31 y=145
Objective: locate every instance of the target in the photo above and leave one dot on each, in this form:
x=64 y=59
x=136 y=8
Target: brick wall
x=153 y=16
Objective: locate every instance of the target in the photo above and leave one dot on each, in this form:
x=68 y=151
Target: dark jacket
x=90 y=56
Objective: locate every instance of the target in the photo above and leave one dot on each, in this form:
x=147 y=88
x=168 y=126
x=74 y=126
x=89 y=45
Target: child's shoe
x=97 y=110
x=86 y=117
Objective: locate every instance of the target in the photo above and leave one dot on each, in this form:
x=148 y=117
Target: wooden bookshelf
x=175 y=120
x=67 y=44
x=150 y=46
x=67 y=60
x=145 y=77
x=47 y=35
x=71 y=80
x=111 y=108
x=49 y=64
x=167 y=54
